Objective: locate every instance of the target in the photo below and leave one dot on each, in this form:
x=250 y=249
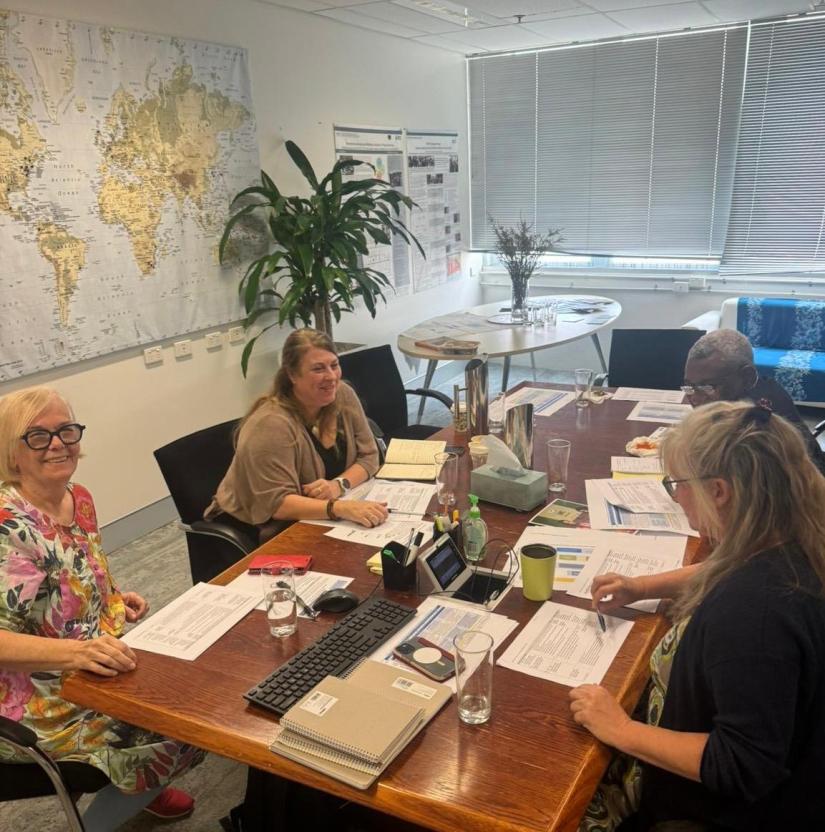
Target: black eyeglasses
x=670 y=484
x=38 y=439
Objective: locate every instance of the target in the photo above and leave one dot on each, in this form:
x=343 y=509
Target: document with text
x=631 y=555
x=192 y=622
x=545 y=402
x=639 y=496
x=565 y=645
x=636 y=465
x=308 y=586
x=661 y=412
x=606 y=516
x=644 y=394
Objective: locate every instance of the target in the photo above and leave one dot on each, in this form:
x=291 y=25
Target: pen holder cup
x=396 y=575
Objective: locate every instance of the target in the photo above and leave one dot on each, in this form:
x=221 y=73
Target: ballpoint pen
x=306 y=608
x=413 y=552
x=602 y=622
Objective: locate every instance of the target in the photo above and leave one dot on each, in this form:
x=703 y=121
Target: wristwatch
x=343 y=484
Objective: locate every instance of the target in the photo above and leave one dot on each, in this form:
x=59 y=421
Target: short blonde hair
x=777 y=493
x=17 y=411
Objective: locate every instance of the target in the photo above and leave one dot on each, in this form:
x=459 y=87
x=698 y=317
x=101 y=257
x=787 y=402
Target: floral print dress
x=55 y=583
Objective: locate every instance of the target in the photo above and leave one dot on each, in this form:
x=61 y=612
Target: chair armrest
x=16 y=733
x=707 y=321
x=432 y=394
x=226 y=532
x=819 y=428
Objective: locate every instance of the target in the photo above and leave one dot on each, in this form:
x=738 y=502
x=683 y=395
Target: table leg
x=505 y=373
x=598 y=347
x=428 y=380
x=533 y=363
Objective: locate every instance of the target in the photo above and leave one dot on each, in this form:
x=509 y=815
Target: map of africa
x=119 y=154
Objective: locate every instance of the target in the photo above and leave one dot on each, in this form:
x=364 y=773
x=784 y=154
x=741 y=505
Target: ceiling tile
x=404 y=16
x=737 y=10
x=495 y=38
x=664 y=18
x=508 y=9
x=355 y=19
x=622 y=5
x=444 y=42
x=301 y=5
x=583 y=28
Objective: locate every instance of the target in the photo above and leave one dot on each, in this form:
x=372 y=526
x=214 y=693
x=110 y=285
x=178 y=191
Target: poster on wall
x=119 y=154
x=432 y=183
x=382 y=148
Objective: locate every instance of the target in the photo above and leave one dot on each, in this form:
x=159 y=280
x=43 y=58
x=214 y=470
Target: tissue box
x=522 y=493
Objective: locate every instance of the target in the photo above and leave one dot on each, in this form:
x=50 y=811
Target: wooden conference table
x=504 y=340
x=530 y=768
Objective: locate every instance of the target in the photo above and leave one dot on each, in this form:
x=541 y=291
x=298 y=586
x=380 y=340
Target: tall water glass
x=474 y=676
x=446 y=478
x=279 y=597
x=583 y=380
x=558 y=458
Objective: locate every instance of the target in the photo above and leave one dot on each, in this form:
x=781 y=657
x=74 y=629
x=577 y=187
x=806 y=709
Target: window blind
x=778 y=206
x=627 y=147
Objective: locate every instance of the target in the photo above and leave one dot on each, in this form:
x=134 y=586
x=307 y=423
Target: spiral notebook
x=353 y=728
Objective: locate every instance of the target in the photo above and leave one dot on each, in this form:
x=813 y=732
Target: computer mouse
x=336 y=600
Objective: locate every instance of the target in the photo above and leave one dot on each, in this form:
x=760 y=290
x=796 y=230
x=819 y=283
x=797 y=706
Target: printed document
x=440 y=621
x=192 y=622
x=636 y=465
x=308 y=586
x=565 y=645
x=631 y=555
x=643 y=394
x=398 y=530
x=545 y=402
x=638 y=496
x=669 y=414
x=606 y=516
x=409 y=499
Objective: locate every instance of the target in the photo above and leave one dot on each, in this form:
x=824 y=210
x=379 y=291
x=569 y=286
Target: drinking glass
x=551 y=313
x=558 y=457
x=279 y=596
x=583 y=380
x=474 y=675
x=446 y=478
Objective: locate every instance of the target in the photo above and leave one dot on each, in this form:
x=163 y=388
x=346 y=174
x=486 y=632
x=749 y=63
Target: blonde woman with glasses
x=60 y=610
x=735 y=731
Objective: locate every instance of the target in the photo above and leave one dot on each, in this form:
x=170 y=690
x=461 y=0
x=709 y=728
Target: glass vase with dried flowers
x=519 y=249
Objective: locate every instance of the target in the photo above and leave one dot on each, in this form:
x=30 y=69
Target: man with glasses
x=720 y=367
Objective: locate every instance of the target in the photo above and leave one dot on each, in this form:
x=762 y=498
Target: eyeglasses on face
x=710 y=387
x=670 y=484
x=38 y=439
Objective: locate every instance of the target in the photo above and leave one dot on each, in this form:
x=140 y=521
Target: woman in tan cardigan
x=301 y=447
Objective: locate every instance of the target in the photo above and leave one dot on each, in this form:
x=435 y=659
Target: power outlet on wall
x=236 y=335
x=214 y=340
x=183 y=349
x=153 y=356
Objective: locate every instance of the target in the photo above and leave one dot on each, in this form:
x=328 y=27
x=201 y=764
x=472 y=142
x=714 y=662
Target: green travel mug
x=538 y=569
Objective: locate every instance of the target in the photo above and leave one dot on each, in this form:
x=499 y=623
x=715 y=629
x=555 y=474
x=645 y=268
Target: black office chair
x=44 y=777
x=193 y=467
x=819 y=428
x=374 y=375
x=652 y=358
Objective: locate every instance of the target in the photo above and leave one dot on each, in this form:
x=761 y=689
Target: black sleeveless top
x=334 y=458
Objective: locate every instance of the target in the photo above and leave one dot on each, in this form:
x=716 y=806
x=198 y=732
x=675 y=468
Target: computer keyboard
x=335 y=653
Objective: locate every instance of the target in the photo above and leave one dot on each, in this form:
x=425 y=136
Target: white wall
x=307 y=73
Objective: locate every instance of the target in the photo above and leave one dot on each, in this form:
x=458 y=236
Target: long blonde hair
x=17 y=411
x=298 y=343
x=777 y=494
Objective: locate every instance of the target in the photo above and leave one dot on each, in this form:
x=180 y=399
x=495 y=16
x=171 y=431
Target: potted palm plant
x=312 y=268
x=519 y=249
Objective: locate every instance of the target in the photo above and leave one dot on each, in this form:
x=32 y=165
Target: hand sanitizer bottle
x=475 y=532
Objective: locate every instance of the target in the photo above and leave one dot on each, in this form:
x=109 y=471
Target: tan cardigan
x=275 y=457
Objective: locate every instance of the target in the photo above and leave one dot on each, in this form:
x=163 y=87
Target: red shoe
x=171 y=804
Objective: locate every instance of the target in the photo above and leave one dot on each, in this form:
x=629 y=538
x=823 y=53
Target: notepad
x=411 y=459
x=353 y=728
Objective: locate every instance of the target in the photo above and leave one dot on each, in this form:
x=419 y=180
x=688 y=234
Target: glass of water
x=446 y=479
x=474 y=676
x=279 y=597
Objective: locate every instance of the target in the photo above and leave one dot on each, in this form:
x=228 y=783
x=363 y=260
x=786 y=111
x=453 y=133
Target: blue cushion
x=800 y=372
x=782 y=323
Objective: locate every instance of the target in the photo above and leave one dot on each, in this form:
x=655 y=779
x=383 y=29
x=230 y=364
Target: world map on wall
x=119 y=154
